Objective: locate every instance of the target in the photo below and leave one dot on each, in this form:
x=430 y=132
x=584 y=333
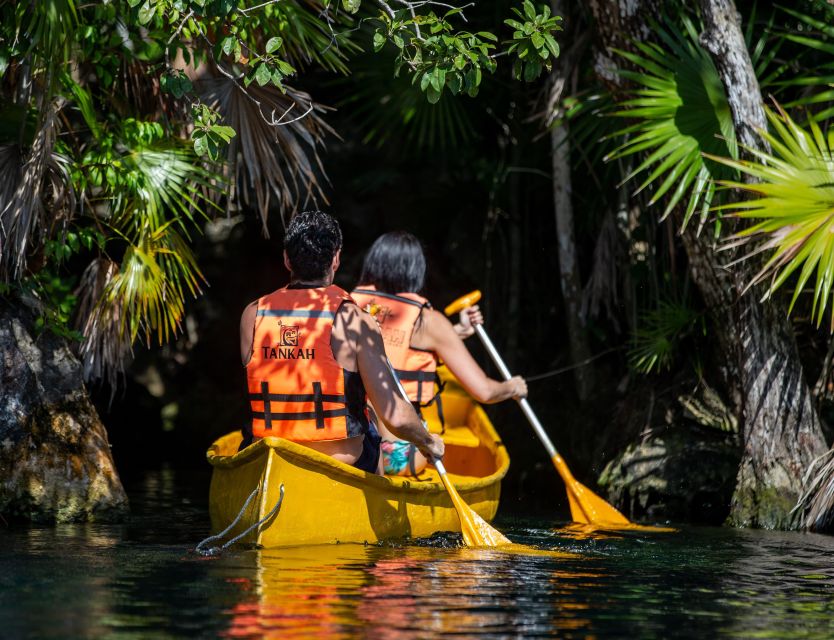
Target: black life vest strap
x=391 y=296
x=319 y=414
x=301 y=415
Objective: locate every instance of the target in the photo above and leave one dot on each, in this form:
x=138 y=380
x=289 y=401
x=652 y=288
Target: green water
x=141 y=580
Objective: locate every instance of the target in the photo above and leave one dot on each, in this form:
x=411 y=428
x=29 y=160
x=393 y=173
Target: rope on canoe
x=213 y=551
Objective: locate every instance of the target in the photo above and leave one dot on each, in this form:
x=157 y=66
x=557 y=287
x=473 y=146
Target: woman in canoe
x=416 y=335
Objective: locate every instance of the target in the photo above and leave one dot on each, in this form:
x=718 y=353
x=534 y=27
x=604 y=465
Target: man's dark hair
x=395 y=264
x=313 y=238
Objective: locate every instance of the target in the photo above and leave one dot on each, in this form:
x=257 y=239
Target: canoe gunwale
x=334 y=468
x=327 y=465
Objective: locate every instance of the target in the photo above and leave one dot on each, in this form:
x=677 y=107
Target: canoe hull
x=328 y=502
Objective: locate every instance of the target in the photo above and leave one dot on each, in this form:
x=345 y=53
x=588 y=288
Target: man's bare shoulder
x=250 y=312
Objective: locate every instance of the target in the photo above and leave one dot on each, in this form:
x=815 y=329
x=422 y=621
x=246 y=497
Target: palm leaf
x=24 y=188
x=792 y=208
x=272 y=161
x=659 y=333
x=680 y=110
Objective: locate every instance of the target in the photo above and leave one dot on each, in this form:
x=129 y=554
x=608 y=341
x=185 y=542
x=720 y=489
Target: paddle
x=477 y=532
x=585 y=506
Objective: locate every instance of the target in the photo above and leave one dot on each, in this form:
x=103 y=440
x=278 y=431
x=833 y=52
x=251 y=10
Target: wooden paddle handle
x=464 y=302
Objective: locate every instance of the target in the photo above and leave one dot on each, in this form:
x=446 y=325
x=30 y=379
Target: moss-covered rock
x=680 y=472
x=55 y=461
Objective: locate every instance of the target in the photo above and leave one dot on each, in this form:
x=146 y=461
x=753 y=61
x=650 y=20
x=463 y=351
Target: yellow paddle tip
x=463 y=302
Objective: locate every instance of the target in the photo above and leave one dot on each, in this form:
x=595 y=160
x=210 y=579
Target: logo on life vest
x=390 y=336
x=289 y=335
x=287 y=347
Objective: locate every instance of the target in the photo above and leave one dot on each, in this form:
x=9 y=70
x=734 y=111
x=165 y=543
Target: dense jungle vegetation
x=643 y=191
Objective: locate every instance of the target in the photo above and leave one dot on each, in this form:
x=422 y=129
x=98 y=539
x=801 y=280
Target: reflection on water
x=140 y=580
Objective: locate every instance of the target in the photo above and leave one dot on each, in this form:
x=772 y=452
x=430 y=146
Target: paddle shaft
x=435 y=461
x=525 y=406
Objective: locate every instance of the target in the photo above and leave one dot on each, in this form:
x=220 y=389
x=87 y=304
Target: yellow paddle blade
x=603 y=531
x=586 y=507
x=476 y=531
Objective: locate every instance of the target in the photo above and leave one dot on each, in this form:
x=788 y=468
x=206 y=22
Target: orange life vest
x=397 y=315
x=297 y=390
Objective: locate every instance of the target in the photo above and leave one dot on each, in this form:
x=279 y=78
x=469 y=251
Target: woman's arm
x=362 y=332
x=436 y=333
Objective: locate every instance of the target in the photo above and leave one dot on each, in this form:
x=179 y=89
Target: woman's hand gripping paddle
x=477 y=532
x=586 y=507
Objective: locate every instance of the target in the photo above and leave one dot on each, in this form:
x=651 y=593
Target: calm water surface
x=141 y=580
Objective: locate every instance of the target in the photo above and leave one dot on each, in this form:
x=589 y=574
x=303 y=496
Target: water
x=140 y=580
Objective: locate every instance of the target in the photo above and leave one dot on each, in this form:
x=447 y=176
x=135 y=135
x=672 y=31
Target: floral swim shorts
x=398 y=457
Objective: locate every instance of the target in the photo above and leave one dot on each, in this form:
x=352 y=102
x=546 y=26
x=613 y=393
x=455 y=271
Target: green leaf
x=146 y=13
x=200 y=146
x=273 y=44
x=379 y=41
x=432 y=94
x=351 y=6
x=538 y=40
x=262 y=74
x=226 y=133
x=438 y=78
x=532 y=70
x=552 y=45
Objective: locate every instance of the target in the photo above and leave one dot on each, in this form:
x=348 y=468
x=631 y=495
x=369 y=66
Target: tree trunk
x=763 y=374
x=782 y=433
x=580 y=350
x=569 y=278
x=55 y=461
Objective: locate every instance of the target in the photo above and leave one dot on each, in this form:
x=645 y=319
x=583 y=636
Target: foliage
x=658 y=337
x=135 y=119
x=681 y=111
x=792 y=207
x=452 y=59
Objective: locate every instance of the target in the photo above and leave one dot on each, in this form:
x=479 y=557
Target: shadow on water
x=141 y=580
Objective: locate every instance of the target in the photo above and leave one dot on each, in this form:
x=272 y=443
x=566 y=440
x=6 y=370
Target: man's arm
x=395 y=411
x=247 y=331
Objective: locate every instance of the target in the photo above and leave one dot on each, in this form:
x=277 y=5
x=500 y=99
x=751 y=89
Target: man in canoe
x=313 y=359
x=415 y=336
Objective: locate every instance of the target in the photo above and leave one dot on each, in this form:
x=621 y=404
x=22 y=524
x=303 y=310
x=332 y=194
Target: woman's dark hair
x=313 y=238
x=395 y=264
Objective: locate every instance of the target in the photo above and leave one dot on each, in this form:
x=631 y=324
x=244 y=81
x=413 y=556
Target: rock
x=55 y=460
x=680 y=472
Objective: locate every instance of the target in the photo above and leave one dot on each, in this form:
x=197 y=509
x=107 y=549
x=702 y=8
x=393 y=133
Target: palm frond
x=816 y=504
x=22 y=219
x=105 y=349
x=150 y=203
x=792 y=207
x=272 y=161
x=388 y=110
x=679 y=111
x=48 y=27
x=658 y=336
x=814 y=77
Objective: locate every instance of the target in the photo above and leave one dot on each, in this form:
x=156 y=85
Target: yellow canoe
x=327 y=502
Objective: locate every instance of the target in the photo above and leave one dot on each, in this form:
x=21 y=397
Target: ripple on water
x=140 y=580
